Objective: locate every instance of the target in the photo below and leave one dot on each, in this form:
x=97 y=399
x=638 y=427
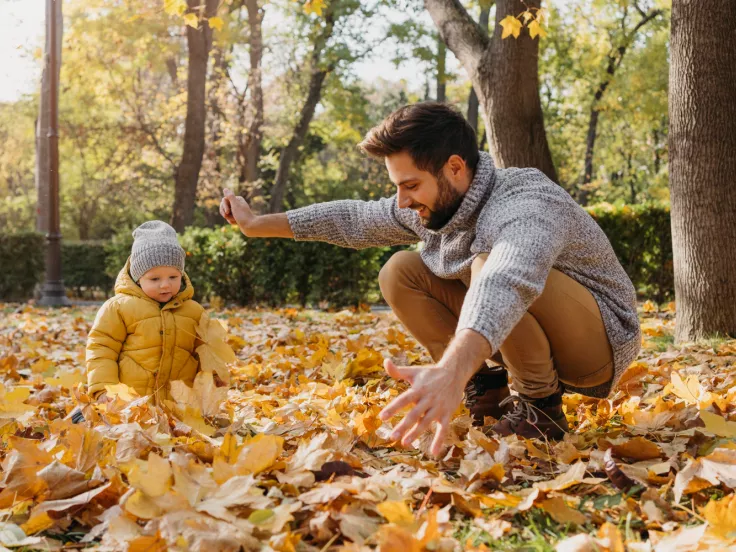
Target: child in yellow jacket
x=145 y=336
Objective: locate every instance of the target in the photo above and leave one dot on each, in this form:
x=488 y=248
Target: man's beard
x=448 y=202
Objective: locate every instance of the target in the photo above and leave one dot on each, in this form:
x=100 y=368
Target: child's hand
x=103 y=398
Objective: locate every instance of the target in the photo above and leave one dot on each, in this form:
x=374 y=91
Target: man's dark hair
x=430 y=132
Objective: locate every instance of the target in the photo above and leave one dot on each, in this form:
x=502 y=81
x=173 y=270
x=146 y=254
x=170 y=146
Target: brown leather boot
x=534 y=418
x=485 y=393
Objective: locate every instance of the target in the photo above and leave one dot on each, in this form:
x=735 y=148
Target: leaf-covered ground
x=294 y=457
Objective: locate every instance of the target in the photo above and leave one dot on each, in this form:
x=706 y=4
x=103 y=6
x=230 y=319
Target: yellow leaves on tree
x=532 y=18
x=314 y=7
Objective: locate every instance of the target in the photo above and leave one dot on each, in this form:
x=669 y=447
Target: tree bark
x=473 y=103
x=254 y=138
x=290 y=153
x=615 y=58
x=702 y=140
x=199 y=43
x=441 y=70
x=504 y=74
x=42 y=127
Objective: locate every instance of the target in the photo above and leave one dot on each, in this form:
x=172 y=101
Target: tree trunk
x=505 y=77
x=254 y=138
x=473 y=98
x=615 y=57
x=441 y=70
x=199 y=43
x=702 y=141
x=42 y=127
x=290 y=153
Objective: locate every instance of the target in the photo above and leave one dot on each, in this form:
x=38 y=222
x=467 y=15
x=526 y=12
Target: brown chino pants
x=561 y=336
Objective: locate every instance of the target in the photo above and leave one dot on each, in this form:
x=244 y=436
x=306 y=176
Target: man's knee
x=397 y=271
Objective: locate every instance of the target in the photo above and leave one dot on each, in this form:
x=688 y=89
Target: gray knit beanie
x=155 y=244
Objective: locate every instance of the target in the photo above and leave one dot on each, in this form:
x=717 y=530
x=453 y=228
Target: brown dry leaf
x=558 y=509
x=637 y=448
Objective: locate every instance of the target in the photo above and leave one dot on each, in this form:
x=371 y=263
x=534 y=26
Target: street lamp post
x=54 y=294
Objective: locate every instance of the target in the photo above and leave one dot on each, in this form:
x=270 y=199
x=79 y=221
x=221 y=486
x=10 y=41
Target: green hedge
x=83 y=267
x=21 y=264
x=642 y=239
x=223 y=263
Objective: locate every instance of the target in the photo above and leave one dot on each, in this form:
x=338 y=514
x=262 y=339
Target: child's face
x=161 y=283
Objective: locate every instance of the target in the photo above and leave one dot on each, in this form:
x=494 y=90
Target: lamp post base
x=54 y=295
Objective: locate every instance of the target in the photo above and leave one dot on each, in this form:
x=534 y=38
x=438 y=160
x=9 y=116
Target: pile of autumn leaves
x=293 y=456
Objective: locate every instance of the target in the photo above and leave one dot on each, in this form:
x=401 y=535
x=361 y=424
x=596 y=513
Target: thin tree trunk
x=254 y=138
x=615 y=58
x=290 y=153
x=441 y=70
x=199 y=42
x=702 y=141
x=473 y=103
x=504 y=74
x=42 y=127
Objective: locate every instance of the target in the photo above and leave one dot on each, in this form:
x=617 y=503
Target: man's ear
x=456 y=165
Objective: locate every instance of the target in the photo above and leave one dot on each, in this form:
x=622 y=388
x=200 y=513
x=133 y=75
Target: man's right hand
x=236 y=210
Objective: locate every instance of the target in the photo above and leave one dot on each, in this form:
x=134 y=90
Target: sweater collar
x=474 y=199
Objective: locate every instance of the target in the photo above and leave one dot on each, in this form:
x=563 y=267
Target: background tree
x=504 y=74
x=703 y=164
x=199 y=44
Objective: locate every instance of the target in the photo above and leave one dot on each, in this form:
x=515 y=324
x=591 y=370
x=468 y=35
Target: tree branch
x=459 y=31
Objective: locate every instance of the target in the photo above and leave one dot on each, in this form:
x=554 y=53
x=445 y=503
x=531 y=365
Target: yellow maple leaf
x=152 y=477
x=535 y=29
x=511 y=26
x=142 y=507
x=204 y=396
x=396 y=511
x=193 y=418
x=718 y=425
x=259 y=453
x=192 y=20
x=12 y=402
x=175 y=7
x=122 y=392
x=66 y=379
x=314 y=6
x=688 y=390
x=721 y=517
x=216 y=23
x=215 y=353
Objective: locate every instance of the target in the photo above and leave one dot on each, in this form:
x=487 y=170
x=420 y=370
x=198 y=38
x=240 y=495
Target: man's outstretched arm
x=237 y=211
x=347 y=223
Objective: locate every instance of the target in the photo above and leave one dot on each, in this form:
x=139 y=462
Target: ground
x=293 y=457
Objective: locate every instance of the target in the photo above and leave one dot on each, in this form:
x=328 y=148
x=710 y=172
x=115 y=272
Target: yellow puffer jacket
x=136 y=341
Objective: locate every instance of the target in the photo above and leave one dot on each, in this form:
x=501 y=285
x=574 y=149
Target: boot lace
x=523 y=410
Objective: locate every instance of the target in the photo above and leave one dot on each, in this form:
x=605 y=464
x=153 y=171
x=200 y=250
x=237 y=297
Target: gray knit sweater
x=527 y=224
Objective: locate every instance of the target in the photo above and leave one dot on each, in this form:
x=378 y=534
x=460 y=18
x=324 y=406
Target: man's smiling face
x=434 y=198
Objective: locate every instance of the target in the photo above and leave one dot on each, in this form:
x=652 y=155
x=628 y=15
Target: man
x=512 y=269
